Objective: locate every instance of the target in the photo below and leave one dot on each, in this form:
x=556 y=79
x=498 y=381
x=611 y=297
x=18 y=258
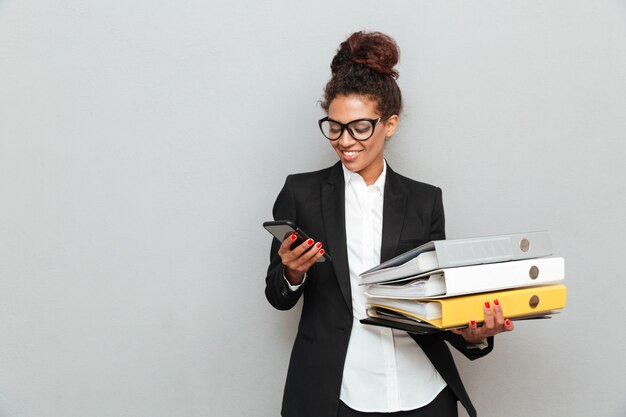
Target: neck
x=372 y=172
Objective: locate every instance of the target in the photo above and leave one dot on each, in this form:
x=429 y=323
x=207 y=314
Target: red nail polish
x=319 y=245
x=507 y=322
x=496 y=302
x=487 y=305
x=321 y=251
x=309 y=242
x=472 y=323
x=293 y=237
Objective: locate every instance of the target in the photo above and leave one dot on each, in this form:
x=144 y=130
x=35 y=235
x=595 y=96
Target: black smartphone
x=281 y=229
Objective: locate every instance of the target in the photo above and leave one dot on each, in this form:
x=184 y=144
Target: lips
x=350 y=155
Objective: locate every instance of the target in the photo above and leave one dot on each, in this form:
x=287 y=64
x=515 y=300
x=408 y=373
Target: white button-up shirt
x=385 y=370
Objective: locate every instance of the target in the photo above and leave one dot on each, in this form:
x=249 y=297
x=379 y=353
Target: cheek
x=379 y=144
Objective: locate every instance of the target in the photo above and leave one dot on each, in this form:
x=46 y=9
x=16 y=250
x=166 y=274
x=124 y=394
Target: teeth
x=351 y=153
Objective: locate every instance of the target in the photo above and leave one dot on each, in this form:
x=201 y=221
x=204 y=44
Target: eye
x=361 y=127
x=334 y=128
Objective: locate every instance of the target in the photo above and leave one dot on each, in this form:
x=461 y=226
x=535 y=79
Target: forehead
x=347 y=108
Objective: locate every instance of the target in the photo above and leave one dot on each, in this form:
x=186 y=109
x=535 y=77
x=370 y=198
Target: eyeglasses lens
x=331 y=130
x=360 y=129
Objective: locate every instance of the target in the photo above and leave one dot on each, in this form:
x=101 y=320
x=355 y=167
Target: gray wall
x=142 y=144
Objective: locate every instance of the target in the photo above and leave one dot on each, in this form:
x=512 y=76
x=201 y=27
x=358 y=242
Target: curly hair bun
x=375 y=50
x=363 y=66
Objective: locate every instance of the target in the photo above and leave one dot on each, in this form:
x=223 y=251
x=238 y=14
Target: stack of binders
x=443 y=284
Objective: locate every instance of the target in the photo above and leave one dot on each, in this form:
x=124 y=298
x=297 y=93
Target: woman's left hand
x=494 y=323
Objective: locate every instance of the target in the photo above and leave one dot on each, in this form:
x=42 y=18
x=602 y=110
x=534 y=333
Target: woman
x=363 y=213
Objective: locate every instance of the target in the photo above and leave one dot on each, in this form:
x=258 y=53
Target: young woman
x=363 y=213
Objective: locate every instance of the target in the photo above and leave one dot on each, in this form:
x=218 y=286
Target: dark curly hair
x=364 y=66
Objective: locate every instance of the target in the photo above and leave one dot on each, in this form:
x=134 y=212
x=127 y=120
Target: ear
x=391 y=124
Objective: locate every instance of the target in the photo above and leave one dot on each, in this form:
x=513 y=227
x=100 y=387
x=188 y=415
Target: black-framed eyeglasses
x=359 y=129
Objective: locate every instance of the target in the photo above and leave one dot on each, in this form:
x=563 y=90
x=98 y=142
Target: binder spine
x=506 y=275
x=458 y=311
x=482 y=250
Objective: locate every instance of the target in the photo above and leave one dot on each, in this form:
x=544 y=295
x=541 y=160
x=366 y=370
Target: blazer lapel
x=394 y=210
x=333 y=213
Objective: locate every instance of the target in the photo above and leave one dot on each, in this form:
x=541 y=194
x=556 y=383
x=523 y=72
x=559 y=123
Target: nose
x=346 y=140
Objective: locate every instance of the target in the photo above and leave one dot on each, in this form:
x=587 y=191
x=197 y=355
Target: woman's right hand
x=300 y=259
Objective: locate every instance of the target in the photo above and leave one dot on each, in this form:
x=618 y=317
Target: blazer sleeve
x=459 y=344
x=276 y=289
x=438 y=232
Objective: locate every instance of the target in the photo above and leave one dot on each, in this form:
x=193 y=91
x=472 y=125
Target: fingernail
x=293 y=237
x=319 y=245
x=496 y=302
x=472 y=323
x=507 y=322
x=487 y=305
x=321 y=251
x=309 y=242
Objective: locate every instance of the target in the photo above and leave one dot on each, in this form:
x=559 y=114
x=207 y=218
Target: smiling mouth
x=350 y=154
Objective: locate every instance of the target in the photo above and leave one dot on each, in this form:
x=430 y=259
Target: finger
x=498 y=316
x=508 y=325
x=285 y=246
x=312 y=255
x=473 y=328
x=297 y=257
x=489 y=319
x=288 y=241
x=304 y=255
x=299 y=250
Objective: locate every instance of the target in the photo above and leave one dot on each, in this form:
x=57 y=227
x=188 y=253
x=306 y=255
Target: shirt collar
x=349 y=176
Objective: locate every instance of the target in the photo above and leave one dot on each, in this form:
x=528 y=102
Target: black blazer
x=412 y=215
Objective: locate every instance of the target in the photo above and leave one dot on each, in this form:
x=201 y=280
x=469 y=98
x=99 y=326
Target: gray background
x=142 y=144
